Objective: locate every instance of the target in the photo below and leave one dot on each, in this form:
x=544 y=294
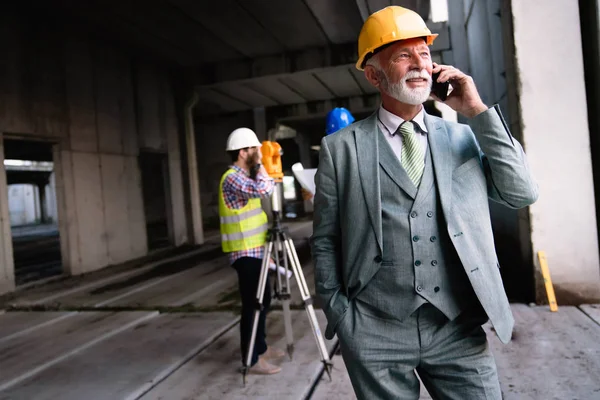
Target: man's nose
x=419 y=62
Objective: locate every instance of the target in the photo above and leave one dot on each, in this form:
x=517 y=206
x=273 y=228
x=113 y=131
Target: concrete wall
x=552 y=99
x=100 y=106
x=480 y=48
x=22 y=204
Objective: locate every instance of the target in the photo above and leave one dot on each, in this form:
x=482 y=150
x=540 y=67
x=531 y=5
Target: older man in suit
x=404 y=254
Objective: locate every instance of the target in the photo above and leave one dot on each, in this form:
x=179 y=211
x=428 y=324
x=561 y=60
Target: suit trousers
x=452 y=358
x=248 y=270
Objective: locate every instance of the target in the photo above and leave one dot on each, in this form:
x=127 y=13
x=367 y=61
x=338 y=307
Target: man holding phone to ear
x=405 y=264
x=243 y=235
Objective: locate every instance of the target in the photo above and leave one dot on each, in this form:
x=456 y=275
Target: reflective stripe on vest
x=244 y=228
x=232 y=219
x=242 y=235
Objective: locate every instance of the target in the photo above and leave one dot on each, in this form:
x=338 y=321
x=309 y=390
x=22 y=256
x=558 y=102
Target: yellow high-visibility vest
x=244 y=228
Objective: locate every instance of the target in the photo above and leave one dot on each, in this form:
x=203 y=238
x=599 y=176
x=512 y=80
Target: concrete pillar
x=260 y=123
x=303 y=142
x=176 y=199
x=261 y=129
x=7 y=270
x=590 y=28
x=193 y=178
x=43 y=206
x=552 y=99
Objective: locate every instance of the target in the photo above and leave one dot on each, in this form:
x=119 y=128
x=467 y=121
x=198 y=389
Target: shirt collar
x=392 y=121
x=238 y=169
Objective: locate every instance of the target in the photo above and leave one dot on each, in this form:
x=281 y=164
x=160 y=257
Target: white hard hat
x=242 y=138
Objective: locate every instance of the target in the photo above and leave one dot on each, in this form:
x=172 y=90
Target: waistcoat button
x=429 y=214
x=419 y=288
x=436 y=289
x=413 y=214
x=415 y=238
x=433 y=238
x=434 y=263
x=418 y=262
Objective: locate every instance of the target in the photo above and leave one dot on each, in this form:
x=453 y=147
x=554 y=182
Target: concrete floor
x=169 y=330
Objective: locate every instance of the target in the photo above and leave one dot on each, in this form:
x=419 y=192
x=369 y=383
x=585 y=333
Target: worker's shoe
x=273 y=354
x=262 y=367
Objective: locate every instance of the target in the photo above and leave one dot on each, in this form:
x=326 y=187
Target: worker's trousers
x=248 y=270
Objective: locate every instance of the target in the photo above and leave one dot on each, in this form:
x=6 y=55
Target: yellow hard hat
x=389 y=25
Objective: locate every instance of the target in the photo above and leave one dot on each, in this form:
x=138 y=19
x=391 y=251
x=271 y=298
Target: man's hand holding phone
x=464 y=97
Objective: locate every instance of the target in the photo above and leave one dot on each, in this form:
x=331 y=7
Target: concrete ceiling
x=242 y=54
x=194 y=32
x=320 y=80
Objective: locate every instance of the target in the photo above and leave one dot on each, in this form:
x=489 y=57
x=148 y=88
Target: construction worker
x=405 y=264
x=243 y=235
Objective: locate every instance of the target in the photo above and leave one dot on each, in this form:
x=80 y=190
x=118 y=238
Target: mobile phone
x=254 y=171
x=439 y=89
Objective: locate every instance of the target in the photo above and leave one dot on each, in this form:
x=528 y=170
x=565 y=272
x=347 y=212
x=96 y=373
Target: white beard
x=401 y=92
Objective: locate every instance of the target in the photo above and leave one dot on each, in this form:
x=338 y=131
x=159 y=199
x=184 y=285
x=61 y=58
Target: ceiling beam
x=293 y=62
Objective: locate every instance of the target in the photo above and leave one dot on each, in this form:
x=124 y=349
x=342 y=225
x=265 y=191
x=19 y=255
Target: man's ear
x=242 y=155
x=372 y=75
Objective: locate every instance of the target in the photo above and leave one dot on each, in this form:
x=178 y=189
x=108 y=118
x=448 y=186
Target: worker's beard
x=253 y=164
x=401 y=92
x=253 y=161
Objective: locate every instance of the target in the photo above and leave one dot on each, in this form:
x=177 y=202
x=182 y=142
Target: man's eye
x=425 y=55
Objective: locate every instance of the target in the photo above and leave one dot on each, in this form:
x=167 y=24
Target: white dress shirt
x=389 y=123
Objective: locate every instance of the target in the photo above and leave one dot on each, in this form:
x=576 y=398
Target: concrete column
x=303 y=142
x=260 y=123
x=590 y=28
x=7 y=269
x=552 y=99
x=176 y=199
x=43 y=206
x=261 y=130
x=193 y=178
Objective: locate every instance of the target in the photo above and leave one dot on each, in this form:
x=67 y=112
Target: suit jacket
x=472 y=163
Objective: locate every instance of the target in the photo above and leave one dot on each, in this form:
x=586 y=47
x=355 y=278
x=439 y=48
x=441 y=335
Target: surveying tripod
x=279 y=242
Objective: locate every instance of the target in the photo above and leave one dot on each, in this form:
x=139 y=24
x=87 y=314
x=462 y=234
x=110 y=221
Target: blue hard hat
x=337 y=119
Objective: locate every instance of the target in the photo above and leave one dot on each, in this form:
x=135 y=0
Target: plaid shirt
x=237 y=189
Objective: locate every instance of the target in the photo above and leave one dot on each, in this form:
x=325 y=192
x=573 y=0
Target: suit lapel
x=389 y=162
x=441 y=153
x=367 y=152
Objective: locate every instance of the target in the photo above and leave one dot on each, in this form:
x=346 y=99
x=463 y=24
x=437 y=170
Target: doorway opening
x=155 y=189
x=33 y=211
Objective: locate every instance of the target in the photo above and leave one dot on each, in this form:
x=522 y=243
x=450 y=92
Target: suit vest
x=420 y=263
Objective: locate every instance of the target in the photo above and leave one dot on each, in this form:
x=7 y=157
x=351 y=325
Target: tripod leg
x=286 y=300
x=276 y=250
x=287 y=323
x=308 y=305
x=262 y=283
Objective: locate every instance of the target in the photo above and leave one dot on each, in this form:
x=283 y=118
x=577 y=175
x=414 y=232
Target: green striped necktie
x=413 y=159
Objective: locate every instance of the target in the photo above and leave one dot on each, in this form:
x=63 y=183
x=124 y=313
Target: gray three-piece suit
x=407 y=275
